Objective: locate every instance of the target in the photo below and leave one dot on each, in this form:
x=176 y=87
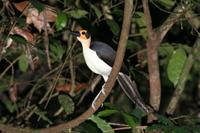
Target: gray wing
x=107 y=54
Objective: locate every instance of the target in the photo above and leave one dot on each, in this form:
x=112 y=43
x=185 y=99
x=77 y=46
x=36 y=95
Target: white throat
x=85 y=42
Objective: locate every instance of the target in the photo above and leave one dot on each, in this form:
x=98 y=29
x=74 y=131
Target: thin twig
x=8 y=67
x=93 y=84
x=46 y=41
x=71 y=63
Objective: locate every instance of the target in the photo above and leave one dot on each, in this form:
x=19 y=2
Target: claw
x=93 y=105
x=102 y=90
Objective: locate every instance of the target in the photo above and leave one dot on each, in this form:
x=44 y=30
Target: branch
x=170 y=21
x=46 y=41
x=128 y=8
x=147 y=16
x=152 y=57
x=188 y=65
x=155 y=38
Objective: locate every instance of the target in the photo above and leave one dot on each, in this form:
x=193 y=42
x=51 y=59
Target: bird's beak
x=75 y=33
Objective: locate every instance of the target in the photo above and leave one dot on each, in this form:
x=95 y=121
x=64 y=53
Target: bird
x=100 y=58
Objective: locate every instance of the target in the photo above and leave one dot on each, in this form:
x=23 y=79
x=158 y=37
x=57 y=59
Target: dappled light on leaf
x=39 y=19
x=67 y=87
x=21 y=5
x=24 y=33
x=36 y=17
x=67 y=103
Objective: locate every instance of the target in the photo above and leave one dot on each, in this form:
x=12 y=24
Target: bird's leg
x=95 y=99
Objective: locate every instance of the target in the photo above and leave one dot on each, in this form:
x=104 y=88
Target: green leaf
x=140 y=21
x=180 y=130
x=4 y=86
x=12 y=107
x=67 y=103
x=166 y=49
x=165 y=52
x=159 y=127
x=168 y=4
x=39 y=6
x=164 y=120
x=61 y=21
x=110 y=106
x=114 y=27
x=96 y=10
x=107 y=112
x=132 y=45
x=102 y=124
x=137 y=112
x=23 y=63
x=57 y=51
x=78 y=13
x=18 y=39
x=139 y=18
x=42 y=114
x=176 y=64
x=130 y=120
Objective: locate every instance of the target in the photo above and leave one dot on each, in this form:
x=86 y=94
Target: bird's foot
x=102 y=90
x=93 y=105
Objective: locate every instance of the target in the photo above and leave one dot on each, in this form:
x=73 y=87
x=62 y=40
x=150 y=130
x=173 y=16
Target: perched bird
x=100 y=58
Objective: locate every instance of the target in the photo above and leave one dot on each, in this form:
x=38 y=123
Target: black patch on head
x=87 y=34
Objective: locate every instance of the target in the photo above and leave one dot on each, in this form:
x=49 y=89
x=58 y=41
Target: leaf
x=23 y=63
x=21 y=5
x=4 y=86
x=131 y=121
x=24 y=33
x=168 y=4
x=180 y=130
x=12 y=107
x=67 y=103
x=164 y=120
x=61 y=21
x=18 y=39
x=97 y=11
x=42 y=114
x=165 y=52
x=140 y=21
x=114 y=27
x=158 y=127
x=39 y=6
x=132 y=45
x=40 y=19
x=176 y=64
x=138 y=113
x=101 y=124
x=78 y=13
x=166 y=49
x=107 y=112
x=57 y=51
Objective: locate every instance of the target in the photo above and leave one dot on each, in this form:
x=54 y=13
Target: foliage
x=44 y=80
x=176 y=64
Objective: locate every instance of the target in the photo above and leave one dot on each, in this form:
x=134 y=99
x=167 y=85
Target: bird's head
x=83 y=36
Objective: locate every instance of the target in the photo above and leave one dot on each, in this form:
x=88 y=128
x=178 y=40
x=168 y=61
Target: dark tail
x=130 y=89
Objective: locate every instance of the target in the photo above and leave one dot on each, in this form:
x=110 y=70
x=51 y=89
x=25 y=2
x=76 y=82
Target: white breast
x=97 y=65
